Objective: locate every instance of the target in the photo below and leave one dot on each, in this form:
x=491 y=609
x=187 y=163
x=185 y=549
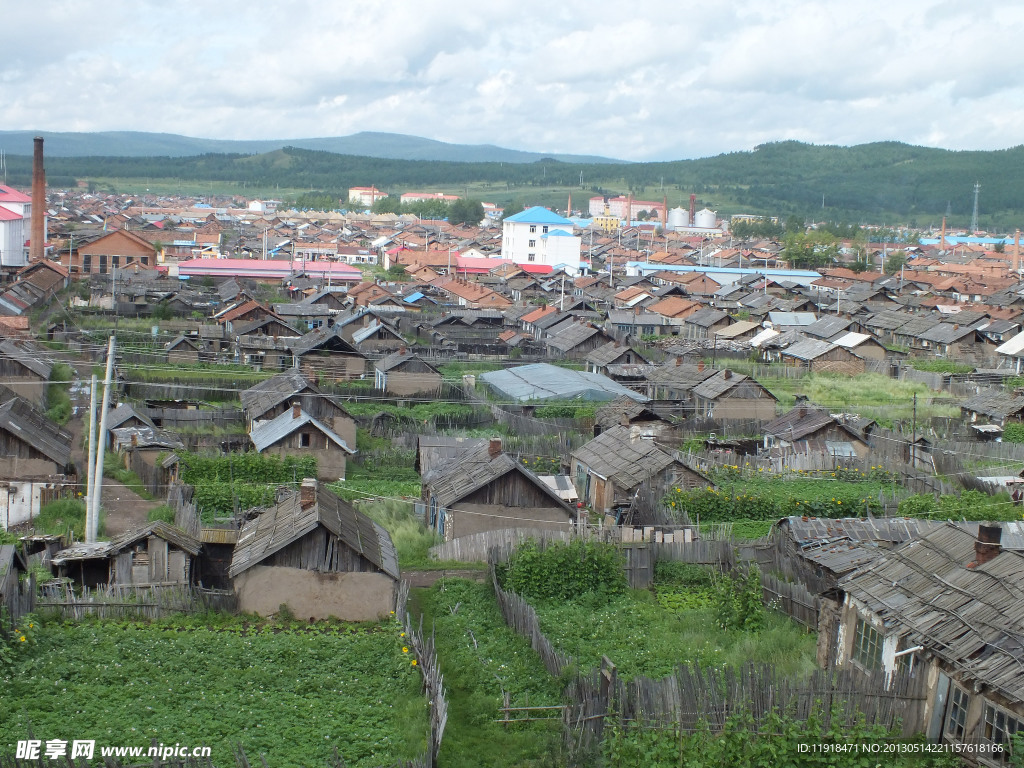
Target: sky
x=635 y=81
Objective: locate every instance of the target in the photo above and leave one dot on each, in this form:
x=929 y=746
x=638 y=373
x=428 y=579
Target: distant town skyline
x=659 y=81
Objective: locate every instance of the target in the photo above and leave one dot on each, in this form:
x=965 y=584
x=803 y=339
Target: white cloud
x=660 y=80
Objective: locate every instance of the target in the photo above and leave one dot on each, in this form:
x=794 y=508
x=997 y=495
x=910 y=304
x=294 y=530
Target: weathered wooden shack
x=405 y=373
x=315 y=553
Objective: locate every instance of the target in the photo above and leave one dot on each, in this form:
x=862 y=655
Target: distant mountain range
x=392 y=146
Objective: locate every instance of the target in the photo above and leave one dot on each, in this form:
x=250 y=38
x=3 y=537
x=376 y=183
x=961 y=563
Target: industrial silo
x=705 y=219
x=678 y=218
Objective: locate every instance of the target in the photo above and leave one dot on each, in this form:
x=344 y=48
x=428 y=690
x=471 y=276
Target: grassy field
x=650 y=633
x=291 y=692
x=870 y=394
x=481 y=659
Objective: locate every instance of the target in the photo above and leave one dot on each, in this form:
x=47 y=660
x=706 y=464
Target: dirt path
x=123 y=509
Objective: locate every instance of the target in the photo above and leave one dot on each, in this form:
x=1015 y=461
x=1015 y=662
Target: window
x=999 y=728
x=533 y=229
x=304 y=439
x=86 y=263
x=531 y=257
x=115 y=261
x=533 y=243
x=958 y=703
x=103 y=265
x=544 y=229
x=867 y=645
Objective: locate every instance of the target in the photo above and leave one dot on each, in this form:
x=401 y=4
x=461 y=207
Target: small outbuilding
x=315 y=553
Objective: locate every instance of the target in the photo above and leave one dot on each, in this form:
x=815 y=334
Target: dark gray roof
x=474 y=469
x=261 y=397
x=396 y=359
x=946 y=333
x=169 y=533
x=249 y=328
x=827 y=327
x=286 y=522
x=24 y=422
x=625 y=462
x=809 y=349
x=723 y=381
x=931 y=592
x=613 y=350
x=330 y=338
x=572 y=336
x=265 y=433
x=705 y=318
x=28 y=355
x=997 y=406
x=125 y=412
x=799 y=422
x=435 y=452
x=683 y=376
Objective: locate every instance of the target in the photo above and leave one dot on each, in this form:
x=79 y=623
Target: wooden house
x=183 y=351
x=315 y=553
x=377 y=336
x=296 y=431
x=25 y=370
x=728 y=395
x=404 y=373
x=613 y=353
x=271 y=397
x=611 y=468
x=576 y=340
x=818 y=356
x=325 y=353
x=947 y=606
x=807 y=429
x=484 y=489
x=156 y=554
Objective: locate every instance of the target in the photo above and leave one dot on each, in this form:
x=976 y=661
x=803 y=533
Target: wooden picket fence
x=152 y=601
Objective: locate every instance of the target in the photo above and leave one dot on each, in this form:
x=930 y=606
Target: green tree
x=464 y=211
x=1000 y=247
x=512 y=209
x=390 y=204
x=894 y=262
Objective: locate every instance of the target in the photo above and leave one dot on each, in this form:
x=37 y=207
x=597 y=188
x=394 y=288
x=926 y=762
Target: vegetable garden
x=290 y=692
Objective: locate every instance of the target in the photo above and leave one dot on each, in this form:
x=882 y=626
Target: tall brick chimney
x=37 y=233
x=988 y=544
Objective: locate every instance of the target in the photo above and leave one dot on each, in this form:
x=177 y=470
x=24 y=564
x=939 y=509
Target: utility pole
x=90 y=468
x=913 y=436
x=101 y=443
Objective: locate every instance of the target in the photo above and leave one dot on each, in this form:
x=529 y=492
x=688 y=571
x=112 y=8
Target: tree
x=464 y=211
x=512 y=209
x=1000 y=247
x=391 y=204
x=894 y=262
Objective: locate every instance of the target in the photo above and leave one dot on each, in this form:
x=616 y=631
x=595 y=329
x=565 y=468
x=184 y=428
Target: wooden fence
x=20 y=600
x=792 y=599
x=694 y=697
x=186 y=515
x=425 y=653
x=152 y=601
x=522 y=618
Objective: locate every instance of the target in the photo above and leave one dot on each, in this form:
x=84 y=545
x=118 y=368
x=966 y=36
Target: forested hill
x=394 y=146
x=884 y=182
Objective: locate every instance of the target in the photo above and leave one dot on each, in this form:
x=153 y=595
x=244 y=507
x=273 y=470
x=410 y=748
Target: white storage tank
x=678 y=218
x=705 y=219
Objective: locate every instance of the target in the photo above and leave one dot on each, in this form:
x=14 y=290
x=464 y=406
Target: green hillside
x=883 y=182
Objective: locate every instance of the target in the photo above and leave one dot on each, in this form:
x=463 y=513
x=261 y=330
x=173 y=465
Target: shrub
x=738 y=601
x=564 y=570
x=1013 y=433
x=163 y=513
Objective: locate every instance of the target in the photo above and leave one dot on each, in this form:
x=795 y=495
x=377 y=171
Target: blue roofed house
x=540 y=236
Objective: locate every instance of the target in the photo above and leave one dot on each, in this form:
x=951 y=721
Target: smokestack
x=664 y=214
x=1016 y=252
x=37 y=233
x=307 y=492
x=629 y=210
x=296 y=410
x=942 y=237
x=693 y=208
x=988 y=544
x=494 y=447
x=568 y=210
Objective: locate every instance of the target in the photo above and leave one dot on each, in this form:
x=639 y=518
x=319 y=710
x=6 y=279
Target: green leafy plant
x=564 y=570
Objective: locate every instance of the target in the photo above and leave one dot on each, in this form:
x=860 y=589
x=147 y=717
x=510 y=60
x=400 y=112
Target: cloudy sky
x=639 y=81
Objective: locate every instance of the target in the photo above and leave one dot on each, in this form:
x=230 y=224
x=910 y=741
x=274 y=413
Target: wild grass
x=411 y=538
x=63 y=515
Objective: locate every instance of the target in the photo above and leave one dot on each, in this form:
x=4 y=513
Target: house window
x=87 y=263
x=115 y=261
x=999 y=728
x=533 y=229
x=103 y=264
x=531 y=257
x=867 y=645
x=304 y=439
x=533 y=243
x=958 y=703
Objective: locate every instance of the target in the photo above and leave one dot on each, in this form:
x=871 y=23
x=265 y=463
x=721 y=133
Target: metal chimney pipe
x=37 y=233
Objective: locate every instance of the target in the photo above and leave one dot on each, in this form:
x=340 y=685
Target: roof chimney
x=37 y=233
x=296 y=409
x=726 y=374
x=307 y=492
x=624 y=419
x=988 y=545
x=494 y=447
x=700 y=365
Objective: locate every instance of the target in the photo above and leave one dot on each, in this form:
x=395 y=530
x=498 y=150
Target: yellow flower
x=23 y=638
x=402 y=635
x=414 y=662
x=30 y=626
x=405 y=649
